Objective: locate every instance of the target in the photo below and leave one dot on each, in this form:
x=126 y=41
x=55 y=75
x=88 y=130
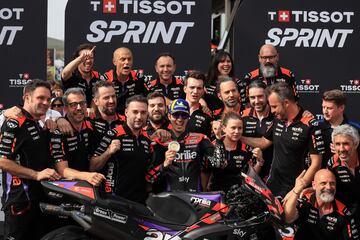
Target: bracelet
x=297 y=194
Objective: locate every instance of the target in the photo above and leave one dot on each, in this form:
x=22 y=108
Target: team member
x=124 y=154
x=333 y=108
x=26 y=159
x=222 y=65
x=157 y=113
x=78 y=147
x=294 y=136
x=126 y=82
x=229 y=95
x=181 y=169
x=105 y=117
x=319 y=215
x=171 y=87
x=269 y=72
x=257 y=119
x=80 y=71
x=345 y=165
x=236 y=156
x=199 y=122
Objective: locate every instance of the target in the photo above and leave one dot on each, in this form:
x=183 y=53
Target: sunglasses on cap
x=181 y=115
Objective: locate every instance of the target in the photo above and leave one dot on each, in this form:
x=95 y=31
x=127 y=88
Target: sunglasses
x=57 y=105
x=181 y=115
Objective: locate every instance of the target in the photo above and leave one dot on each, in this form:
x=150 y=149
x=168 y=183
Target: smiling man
x=295 y=138
x=166 y=83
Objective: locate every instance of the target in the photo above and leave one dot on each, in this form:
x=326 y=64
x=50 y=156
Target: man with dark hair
x=157 y=113
x=80 y=73
x=181 y=167
x=166 y=83
x=126 y=81
x=295 y=137
x=333 y=109
x=229 y=95
x=124 y=154
x=105 y=116
x=27 y=154
x=269 y=71
x=257 y=119
x=199 y=122
x=77 y=148
x=318 y=214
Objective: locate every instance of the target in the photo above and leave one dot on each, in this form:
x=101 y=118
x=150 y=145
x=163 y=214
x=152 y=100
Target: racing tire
x=67 y=233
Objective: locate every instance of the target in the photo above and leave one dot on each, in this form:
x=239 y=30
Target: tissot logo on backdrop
x=22 y=46
x=146 y=27
x=351 y=86
x=309 y=37
x=317 y=40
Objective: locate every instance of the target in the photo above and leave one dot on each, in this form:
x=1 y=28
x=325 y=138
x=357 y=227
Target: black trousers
x=26 y=221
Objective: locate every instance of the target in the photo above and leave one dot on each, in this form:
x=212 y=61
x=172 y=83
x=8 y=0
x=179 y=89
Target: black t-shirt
x=292 y=145
x=254 y=127
x=172 y=91
x=25 y=142
x=338 y=225
x=125 y=171
x=327 y=131
x=200 y=122
x=236 y=162
x=134 y=85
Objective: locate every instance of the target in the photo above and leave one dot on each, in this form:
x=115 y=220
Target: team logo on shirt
x=12 y=123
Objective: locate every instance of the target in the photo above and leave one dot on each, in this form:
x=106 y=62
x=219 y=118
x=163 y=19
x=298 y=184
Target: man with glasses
x=269 y=71
x=77 y=147
x=180 y=161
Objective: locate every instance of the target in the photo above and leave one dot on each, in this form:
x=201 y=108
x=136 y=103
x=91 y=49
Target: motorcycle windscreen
x=77 y=189
x=254 y=182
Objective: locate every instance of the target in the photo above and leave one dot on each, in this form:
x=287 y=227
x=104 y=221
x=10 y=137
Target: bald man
x=269 y=71
x=126 y=81
x=318 y=214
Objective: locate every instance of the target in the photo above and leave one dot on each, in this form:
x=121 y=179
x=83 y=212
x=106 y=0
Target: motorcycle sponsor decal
x=86 y=191
x=201 y=201
x=156 y=235
x=108 y=214
x=239 y=232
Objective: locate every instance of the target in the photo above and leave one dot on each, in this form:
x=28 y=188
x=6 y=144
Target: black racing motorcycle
x=242 y=213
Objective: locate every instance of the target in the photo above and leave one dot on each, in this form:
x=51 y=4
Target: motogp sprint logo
x=20 y=81
x=137 y=30
x=306 y=86
x=353 y=86
x=283 y=35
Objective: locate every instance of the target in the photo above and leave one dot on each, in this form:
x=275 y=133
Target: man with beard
x=80 y=73
x=199 y=122
x=126 y=82
x=157 y=113
x=333 y=108
x=171 y=87
x=228 y=93
x=78 y=147
x=319 y=215
x=124 y=154
x=345 y=165
x=295 y=137
x=105 y=117
x=269 y=72
x=257 y=119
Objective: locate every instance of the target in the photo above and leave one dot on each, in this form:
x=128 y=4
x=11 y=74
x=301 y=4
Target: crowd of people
x=132 y=137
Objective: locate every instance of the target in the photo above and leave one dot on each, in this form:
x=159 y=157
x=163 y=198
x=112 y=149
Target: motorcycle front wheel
x=67 y=233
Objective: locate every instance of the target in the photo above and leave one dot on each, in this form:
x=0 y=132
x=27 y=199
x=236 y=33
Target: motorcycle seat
x=169 y=208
